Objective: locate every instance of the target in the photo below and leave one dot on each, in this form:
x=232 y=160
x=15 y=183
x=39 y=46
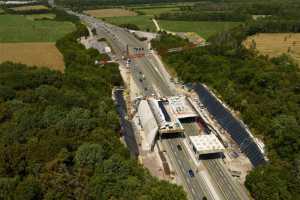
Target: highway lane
x=229 y=187
x=119 y=39
x=180 y=161
x=145 y=63
x=159 y=85
x=144 y=85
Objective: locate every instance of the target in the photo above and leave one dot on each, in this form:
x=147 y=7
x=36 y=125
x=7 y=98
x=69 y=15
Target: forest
x=232 y=10
x=166 y=41
x=266 y=93
x=79 y=4
x=59 y=133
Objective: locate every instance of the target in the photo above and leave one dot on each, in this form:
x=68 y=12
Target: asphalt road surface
x=156 y=83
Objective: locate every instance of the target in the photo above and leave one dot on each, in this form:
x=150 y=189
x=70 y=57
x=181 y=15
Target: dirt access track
x=33 y=54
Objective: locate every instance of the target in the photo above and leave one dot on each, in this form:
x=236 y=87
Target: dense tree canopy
x=167 y=41
x=232 y=10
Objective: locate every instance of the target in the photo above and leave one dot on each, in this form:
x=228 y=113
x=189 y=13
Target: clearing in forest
x=275 y=44
x=113 y=12
x=33 y=54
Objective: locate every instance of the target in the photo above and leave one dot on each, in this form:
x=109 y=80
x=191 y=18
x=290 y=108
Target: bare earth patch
x=275 y=44
x=114 y=12
x=34 y=54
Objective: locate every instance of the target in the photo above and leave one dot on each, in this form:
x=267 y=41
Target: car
x=179 y=147
x=191 y=173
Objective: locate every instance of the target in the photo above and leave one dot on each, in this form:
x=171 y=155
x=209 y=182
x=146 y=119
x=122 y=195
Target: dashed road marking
x=193 y=191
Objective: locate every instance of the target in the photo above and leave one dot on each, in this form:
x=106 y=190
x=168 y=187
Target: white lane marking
x=193 y=191
x=180 y=162
x=156 y=70
x=180 y=165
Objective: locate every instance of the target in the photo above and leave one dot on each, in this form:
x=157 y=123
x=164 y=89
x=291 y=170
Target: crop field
x=204 y=28
x=35 y=7
x=17 y=28
x=157 y=11
x=275 y=44
x=114 y=12
x=144 y=22
x=33 y=54
x=162 y=5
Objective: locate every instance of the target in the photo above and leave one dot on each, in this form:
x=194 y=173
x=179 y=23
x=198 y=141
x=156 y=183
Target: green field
x=157 y=11
x=204 y=28
x=40 y=16
x=17 y=28
x=142 y=21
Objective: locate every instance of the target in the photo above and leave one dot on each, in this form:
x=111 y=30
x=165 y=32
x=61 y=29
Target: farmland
x=142 y=21
x=203 y=28
x=33 y=54
x=156 y=11
x=26 y=8
x=114 y=12
x=275 y=44
x=17 y=28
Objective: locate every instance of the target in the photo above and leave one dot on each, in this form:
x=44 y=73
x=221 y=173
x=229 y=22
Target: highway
x=159 y=85
x=229 y=188
x=225 y=184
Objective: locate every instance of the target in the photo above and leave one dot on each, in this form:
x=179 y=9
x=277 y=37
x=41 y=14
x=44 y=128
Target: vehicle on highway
x=191 y=173
x=179 y=147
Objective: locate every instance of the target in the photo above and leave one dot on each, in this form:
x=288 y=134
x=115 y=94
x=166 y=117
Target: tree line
x=88 y=4
x=59 y=133
x=235 y=11
x=266 y=92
